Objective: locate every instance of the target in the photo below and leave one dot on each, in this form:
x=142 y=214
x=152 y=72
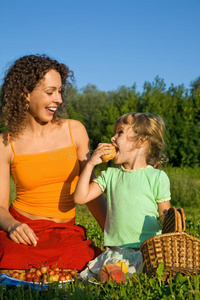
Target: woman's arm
x=98 y=206
x=18 y=232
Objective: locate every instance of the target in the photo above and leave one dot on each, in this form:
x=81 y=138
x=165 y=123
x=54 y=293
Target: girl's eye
x=120 y=132
x=49 y=93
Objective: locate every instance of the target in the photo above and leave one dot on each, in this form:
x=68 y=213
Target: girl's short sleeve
x=102 y=180
x=163 y=188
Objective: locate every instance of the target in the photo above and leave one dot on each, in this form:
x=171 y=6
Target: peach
x=111 y=272
x=107 y=157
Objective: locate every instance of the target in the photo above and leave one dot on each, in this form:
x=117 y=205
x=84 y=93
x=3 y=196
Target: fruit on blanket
x=38 y=272
x=43 y=269
x=73 y=273
x=111 y=272
x=29 y=274
x=62 y=278
x=107 y=157
x=22 y=276
x=36 y=278
x=123 y=266
x=15 y=274
x=53 y=278
x=44 y=274
x=68 y=277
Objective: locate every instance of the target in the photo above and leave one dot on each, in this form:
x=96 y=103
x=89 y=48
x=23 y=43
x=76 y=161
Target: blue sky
x=108 y=43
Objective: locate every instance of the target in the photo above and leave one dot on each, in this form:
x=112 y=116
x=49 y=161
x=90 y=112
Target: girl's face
x=131 y=150
x=45 y=98
x=126 y=142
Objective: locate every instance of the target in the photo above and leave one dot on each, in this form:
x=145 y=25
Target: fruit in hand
x=111 y=272
x=107 y=157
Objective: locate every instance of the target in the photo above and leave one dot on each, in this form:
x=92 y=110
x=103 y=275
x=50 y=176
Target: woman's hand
x=21 y=233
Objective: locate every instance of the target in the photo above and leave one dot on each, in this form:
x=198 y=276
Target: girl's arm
x=86 y=191
x=98 y=206
x=161 y=208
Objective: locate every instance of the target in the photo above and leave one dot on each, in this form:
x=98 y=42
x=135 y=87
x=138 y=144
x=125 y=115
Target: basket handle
x=174 y=220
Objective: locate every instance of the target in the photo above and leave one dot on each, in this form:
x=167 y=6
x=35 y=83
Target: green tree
x=195 y=85
x=87 y=106
x=99 y=110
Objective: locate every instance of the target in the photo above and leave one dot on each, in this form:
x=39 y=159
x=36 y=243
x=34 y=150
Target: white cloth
x=132 y=259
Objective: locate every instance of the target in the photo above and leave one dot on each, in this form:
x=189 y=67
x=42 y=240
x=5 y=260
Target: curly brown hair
x=151 y=128
x=21 y=79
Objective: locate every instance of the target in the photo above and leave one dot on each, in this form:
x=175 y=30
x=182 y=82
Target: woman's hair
x=152 y=129
x=21 y=79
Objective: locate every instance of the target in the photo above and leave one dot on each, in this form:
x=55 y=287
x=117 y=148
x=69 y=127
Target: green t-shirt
x=132 y=197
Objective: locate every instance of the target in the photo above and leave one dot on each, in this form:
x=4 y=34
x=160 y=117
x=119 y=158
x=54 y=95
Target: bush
x=185 y=186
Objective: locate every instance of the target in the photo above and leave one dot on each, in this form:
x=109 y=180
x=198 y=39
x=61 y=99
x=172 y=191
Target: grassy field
x=140 y=286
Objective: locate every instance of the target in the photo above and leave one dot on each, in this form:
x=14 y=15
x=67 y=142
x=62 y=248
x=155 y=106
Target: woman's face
x=45 y=98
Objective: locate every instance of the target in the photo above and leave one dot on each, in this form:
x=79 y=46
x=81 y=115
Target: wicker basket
x=179 y=251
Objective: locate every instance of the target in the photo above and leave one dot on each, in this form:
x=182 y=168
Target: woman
x=45 y=155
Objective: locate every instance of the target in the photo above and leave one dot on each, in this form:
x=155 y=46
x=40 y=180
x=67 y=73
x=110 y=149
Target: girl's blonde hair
x=152 y=129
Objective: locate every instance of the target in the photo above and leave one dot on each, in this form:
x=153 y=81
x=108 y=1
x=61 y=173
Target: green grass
x=140 y=286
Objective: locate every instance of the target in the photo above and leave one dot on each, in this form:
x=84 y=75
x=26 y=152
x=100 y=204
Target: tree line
x=178 y=106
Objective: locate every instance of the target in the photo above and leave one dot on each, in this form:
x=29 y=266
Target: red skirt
x=64 y=244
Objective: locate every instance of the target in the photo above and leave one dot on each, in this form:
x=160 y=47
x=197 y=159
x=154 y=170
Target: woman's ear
x=26 y=94
x=28 y=97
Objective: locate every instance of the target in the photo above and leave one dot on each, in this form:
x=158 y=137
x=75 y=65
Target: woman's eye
x=49 y=93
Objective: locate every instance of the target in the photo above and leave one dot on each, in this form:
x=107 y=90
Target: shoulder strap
x=70 y=130
x=11 y=143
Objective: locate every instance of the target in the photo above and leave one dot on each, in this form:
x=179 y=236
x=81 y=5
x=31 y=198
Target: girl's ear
x=142 y=139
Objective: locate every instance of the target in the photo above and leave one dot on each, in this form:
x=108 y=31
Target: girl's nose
x=112 y=139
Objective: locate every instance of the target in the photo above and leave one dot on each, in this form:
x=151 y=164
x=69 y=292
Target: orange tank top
x=46 y=181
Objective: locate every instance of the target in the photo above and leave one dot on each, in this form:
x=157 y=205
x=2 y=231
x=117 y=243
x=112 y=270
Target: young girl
x=137 y=192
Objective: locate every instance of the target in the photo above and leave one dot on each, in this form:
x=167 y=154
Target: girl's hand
x=23 y=234
x=96 y=157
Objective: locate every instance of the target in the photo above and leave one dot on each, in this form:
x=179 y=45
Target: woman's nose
x=58 y=98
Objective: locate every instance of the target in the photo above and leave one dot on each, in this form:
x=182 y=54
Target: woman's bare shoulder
x=76 y=125
x=5 y=147
x=79 y=134
x=78 y=129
